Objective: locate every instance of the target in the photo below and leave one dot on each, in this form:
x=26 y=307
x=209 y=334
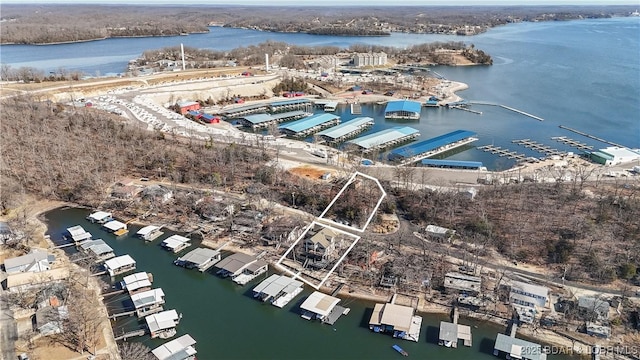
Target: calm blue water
x=581 y=74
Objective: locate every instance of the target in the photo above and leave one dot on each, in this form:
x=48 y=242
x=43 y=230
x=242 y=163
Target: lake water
x=581 y=74
x=228 y=323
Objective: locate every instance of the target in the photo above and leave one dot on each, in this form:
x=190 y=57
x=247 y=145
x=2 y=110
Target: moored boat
x=400 y=350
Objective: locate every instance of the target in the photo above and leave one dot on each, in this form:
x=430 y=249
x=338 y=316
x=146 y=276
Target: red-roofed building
x=186 y=106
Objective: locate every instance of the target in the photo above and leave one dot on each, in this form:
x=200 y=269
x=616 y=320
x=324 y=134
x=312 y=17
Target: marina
x=573 y=143
x=346 y=130
x=403 y=109
x=264 y=120
x=431 y=147
x=302 y=104
x=309 y=125
x=385 y=139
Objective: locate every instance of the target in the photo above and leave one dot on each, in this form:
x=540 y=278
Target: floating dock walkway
x=536 y=146
x=573 y=143
x=455 y=106
x=130 y=334
x=590 y=136
x=503 y=152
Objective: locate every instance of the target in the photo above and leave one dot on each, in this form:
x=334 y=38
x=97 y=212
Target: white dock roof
x=147 y=230
x=136 y=281
x=118 y=262
x=145 y=298
x=98 y=247
x=115 y=225
x=174 y=241
x=236 y=262
x=162 y=320
x=177 y=349
x=400 y=317
x=76 y=230
x=99 y=215
x=276 y=284
x=200 y=256
x=320 y=303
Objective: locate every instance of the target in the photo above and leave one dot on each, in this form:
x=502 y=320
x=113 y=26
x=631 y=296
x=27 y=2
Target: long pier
x=590 y=136
x=502 y=152
x=130 y=334
x=465 y=109
x=508 y=108
x=536 y=146
x=573 y=143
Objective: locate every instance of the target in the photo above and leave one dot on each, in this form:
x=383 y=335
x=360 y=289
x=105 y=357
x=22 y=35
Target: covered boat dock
x=385 y=138
x=162 y=323
x=346 y=130
x=398 y=320
x=450 y=333
x=241 y=111
x=137 y=282
x=176 y=243
x=322 y=307
x=148 y=302
x=242 y=268
x=452 y=164
x=200 y=258
x=310 y=125
x=257 y=121
x=278 y=289
x=288 y=105
x=180 y=348
x=403 y=109
x=517 y=348
x=439 y=144
x=120 y=265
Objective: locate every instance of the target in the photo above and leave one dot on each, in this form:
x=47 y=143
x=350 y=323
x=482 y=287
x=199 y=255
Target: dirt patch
x=308 y=172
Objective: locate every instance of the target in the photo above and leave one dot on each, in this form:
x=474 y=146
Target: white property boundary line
x=351 y=179
x=321 y=218
x=304 y=233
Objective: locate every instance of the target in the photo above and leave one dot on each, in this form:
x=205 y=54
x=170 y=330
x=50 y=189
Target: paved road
x=8 y=330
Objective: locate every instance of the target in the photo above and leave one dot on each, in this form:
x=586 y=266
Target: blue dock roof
x=431 y=144
x=403 y=105
x=308 y=123
x=452 y=163
x=384 y=136
x=258 y=118
x=346 y=128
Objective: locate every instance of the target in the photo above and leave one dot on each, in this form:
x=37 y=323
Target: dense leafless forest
x=587 y=230
x=39 y=24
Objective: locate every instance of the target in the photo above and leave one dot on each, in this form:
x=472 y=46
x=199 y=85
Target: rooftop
x=136 y=281
x=403 y=105
x=308 y=122
x=289 y=102
x=200 y=256
x=530 y=288
x=276 y=284
x=346 y=128
x=431 y=144
x=174 y=241
x=115 y=225
x=382 y=137
x=147 y=298
x=162 y=320
x=147 y=230
x=398 y=316
x=319 y=303
x=452 y=163
x=99 y=215
x=17 y=264
x=518 y=348
x=235 y=262
x=118 y=262
x=177 y=349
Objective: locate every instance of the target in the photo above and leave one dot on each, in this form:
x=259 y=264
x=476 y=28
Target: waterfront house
x=398 y=320
x=23 y=281
x=527 y=299
x=119 y=265
x=593 y=308
x=200 y=258
x=157 y=193
x=49 y=319
x=242 y=268
x=78 y=234
x=135 y=283
x=457 y=282
x=322 y=307
x=35 y=261
x=149 y=233
x=177 y=349
x=320 y=244
x=125 y=191
x=148 y=302
x=278 y=289
x=176 y=243
x=100 y=217
x=116 y=227
x=514 y=348
x=97 y=249
x=600 y=331
x=163 y=324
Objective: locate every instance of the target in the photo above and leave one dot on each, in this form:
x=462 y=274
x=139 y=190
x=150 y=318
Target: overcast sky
x=338 y=2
